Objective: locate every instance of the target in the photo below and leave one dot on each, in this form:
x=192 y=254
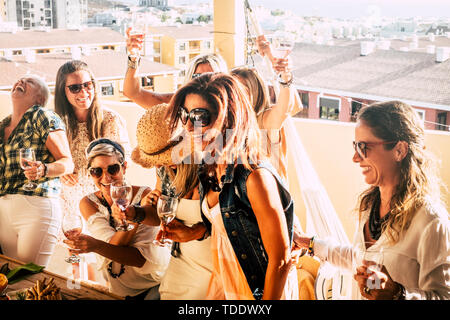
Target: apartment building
x=103 y=49
x=156 y=3
x=33 y=14
x=178 y=45
x=336 y=81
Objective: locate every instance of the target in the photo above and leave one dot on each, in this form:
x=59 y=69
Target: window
x=207 y=44
x=182 y=46
x=356 y=106
x=147 y=81
x=43 y=51
x=421 y=114
x=182 y=60
x=442 y=120
x=304 y=98
x=107 y=89
x=329 y=108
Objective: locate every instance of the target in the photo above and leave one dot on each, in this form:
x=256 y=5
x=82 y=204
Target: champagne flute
x=27 y=158
x=121 y=194
x=166 y=209
x=72 y=226
x=282 y=44
x=138 y=29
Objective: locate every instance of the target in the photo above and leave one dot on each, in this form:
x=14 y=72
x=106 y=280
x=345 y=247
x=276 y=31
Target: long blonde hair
x=419 y=183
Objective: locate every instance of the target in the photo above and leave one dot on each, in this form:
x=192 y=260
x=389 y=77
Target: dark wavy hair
x=235 y=120
x=65 y=110
x=419 y=183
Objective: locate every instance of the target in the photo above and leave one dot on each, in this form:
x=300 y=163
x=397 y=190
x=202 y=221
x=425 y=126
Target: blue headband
x=116 y=145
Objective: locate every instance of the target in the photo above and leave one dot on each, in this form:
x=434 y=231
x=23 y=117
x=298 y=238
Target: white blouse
x=420 y=260
x=134 y=280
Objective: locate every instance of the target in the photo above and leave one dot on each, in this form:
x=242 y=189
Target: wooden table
x=70 y=289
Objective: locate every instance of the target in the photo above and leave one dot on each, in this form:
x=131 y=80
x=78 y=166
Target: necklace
x=112 y=224
x=375 y=222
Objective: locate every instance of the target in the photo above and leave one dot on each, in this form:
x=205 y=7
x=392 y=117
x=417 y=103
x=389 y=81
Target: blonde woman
x=401 y=213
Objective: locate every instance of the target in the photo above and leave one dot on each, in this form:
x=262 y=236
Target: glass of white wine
x=166 y=209
x=138 y=26
x=27 y=159
x=121 y=194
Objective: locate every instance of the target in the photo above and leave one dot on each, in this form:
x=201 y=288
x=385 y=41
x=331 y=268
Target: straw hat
x=156 y=146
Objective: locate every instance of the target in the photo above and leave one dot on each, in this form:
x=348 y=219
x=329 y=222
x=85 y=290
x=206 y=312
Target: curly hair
x=419 y=184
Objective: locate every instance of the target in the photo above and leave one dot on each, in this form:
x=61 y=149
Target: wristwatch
x=133 y=64
x=139 y=214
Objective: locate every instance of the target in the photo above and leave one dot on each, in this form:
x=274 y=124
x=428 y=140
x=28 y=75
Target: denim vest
x=241 y=224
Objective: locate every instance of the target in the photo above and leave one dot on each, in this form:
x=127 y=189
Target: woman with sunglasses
x=130 y=263
x=401 y=214
x=77 y=103
x=250 y=224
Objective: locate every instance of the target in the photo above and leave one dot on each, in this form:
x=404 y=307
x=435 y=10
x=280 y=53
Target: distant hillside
x=95 y=6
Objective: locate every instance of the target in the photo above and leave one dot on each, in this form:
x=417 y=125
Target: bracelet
x=139 y=214
x=44 y=174
x=401 y=293
x=311 y=247
x=286 y=84
x=133 y=64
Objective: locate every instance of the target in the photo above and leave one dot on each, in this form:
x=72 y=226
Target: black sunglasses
x=199 y=114
x=75 y=88
x=361 y=146
x=112 y=169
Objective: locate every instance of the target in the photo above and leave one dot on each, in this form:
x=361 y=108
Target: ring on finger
x=366 y=290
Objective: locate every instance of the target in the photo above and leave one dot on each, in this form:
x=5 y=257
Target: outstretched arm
x=132 y=86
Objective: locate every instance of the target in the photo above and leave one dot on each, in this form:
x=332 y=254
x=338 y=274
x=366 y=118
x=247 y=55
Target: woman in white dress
x=128 y=260
x=77 y=103
x=189 y=271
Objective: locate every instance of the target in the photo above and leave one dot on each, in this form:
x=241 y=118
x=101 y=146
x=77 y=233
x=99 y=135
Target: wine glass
x=166 y=209
x=72 y=226
x=121 y=194
x=372 y=258
x=282 y=44
x=138 y=29
x=27 y=158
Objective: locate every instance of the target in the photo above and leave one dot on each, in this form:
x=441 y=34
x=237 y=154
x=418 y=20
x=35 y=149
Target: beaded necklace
x=113 y=225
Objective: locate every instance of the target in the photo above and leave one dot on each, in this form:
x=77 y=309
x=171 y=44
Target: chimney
x=442 y=54
x=367 y=47
x=76 y=53
x=30 y=55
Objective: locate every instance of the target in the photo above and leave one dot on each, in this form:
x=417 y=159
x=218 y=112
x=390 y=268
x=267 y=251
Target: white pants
x=29 y=227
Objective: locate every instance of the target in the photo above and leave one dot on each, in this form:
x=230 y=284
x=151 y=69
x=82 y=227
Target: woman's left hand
x=376 y=283
x=177 y=231
x=82 y=244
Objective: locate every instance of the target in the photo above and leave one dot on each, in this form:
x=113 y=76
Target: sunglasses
x=196 y=75
x=361 y=146
x=199 y=114
x=75 y=88
x=112 y=170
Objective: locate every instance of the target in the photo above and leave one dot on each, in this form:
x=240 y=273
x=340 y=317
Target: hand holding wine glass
x=72 y=226
x=136 y=34
x=27 y=161
x=166 y=209
x=121 y=194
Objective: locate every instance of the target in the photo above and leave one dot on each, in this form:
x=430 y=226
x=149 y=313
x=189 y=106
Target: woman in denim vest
x=249 y=213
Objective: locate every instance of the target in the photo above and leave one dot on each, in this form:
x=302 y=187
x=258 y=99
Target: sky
x=355 y=8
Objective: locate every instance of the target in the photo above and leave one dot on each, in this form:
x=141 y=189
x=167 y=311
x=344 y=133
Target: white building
x=32 y=14
x=156 y=3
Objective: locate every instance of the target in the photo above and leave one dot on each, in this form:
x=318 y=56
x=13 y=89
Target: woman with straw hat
x=189 y=271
